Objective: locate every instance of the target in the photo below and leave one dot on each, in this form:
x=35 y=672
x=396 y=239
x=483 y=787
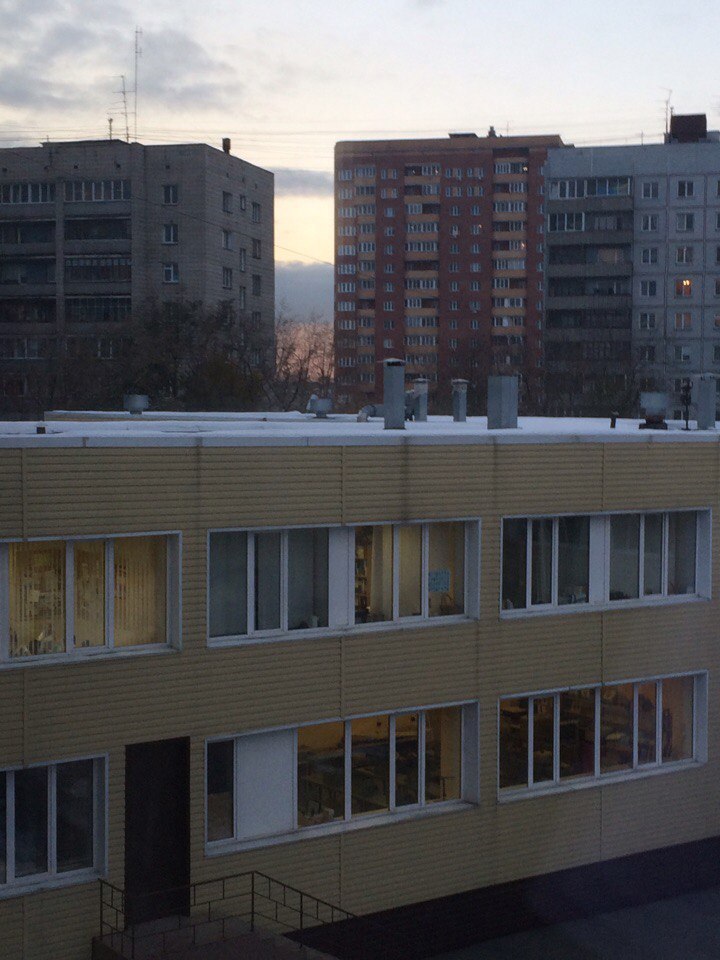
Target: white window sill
x=602 y=607
x=218 y=848
x=45 y=881
x=512 y=794
x=88 y=654
x=355 y=629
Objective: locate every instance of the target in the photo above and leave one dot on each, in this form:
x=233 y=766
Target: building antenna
x=110 y=123
x=668 y=109
x=123 y=93
x=138 y=54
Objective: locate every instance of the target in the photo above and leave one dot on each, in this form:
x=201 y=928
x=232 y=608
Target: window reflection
x=682 y=532
x=75 y=816
x=442 y=754
x=307 y=578
x=543 y=739
x=542 y=551
x=446 y=569
x=228 y=584
x=513 y=742
x=321 y=773
x=89 y=593
x=406 y=759
x=616 y=728
x=267 y=581
x=653 y=553
x=577 y=733
x=220 y=789
x=31 y=821
x=677 y=718
x=624 y=556
x=373 y=574
x=370 y=773
x=140 y=591
x=573 y=559
x=514 y=564
x=37 y=598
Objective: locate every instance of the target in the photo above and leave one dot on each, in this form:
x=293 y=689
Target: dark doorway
x=157 y=829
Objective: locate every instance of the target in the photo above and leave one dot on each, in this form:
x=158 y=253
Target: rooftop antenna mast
x=123 y=93
x=138 y=54
x=668 y=110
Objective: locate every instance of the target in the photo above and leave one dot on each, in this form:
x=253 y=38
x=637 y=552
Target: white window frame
x=469 y=779
x=599 y=564
x=341 y=580
x=597 y=778
x=173 y=637
x=13 y=886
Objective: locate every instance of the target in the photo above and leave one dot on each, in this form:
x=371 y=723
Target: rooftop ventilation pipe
x=135 y=403
x=654 y=405
x=502 y=403
x=394 y=393
x=320 y=406
x=459 y=400
x=421 y=398
x=226 y=144
x=706 y=402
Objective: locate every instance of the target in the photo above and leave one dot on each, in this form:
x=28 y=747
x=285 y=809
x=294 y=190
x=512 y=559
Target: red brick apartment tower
x=439 y=253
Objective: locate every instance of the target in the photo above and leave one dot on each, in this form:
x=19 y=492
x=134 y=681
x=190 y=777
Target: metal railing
x=211 y=911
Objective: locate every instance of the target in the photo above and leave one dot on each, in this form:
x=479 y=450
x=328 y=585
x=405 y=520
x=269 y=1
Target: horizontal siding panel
x=11 y=513
x=662 y=475
x=12 y=929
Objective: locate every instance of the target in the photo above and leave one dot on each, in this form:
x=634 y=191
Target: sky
x=286 y=79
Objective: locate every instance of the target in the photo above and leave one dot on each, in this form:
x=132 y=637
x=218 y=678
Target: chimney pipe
x=394 y=393
x=502 y=405
x=421 y=398
x=226 y=144
x=706 y=402
x=459 y=400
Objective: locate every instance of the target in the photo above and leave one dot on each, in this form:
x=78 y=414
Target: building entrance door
x=157 y=829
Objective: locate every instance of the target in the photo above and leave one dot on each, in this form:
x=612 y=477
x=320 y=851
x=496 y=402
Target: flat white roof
x=99 y=429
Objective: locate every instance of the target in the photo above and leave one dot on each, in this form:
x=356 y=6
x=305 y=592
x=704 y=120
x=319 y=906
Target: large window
x=409 y=570
x=96 y=594
x=551 y=562
x=51 y=822
x=342 y=771
x=269 y=581
x=555 y=738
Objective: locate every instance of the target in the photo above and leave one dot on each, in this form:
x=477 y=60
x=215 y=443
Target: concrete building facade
x=470 y=676
x=633 y=265
x=439 y=256
x=91 y=232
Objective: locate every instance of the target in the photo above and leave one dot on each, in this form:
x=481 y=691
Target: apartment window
x=227 y=278
x=227 y=240
x=684 y=255
x=686 y=188
x=227 y=202
x=556 y=738
x=97 y=269
x=323 y=775
x=683 y=321
x=389 y=564
x=648 y=288
x=647 y=354
x=170 y=193
x=685 y=222
x=242 y=201
x=94 y=191
x=716 y=354
x=242 y=298
x=242 y=259
x=171 y=273
x=56 y=813
x=647 y=321
x=649 y=255
x=682 y=355
x=256 y=214
x=118 y=590
x=28 y=193
x=256 y=287
x=170 y=233
x=650 y=190
x=649 y=222
x=560 y=561
x=683 y=287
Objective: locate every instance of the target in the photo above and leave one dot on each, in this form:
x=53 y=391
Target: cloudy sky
x=285 y=79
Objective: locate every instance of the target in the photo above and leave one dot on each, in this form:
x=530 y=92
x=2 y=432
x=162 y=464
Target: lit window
x=325 y=774
x=596 y=732
x=683 y=287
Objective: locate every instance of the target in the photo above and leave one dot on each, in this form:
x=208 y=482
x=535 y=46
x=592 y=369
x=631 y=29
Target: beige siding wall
x=62 y=711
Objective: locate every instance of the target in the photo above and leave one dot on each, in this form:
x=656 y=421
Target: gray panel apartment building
x=92 y=231
x=632 y=266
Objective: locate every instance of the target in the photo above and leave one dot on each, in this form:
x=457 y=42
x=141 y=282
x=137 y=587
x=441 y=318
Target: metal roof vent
x=135 y=403
x=320 y=406
x=653 y=404
x=502 y=403
x=394 y=393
